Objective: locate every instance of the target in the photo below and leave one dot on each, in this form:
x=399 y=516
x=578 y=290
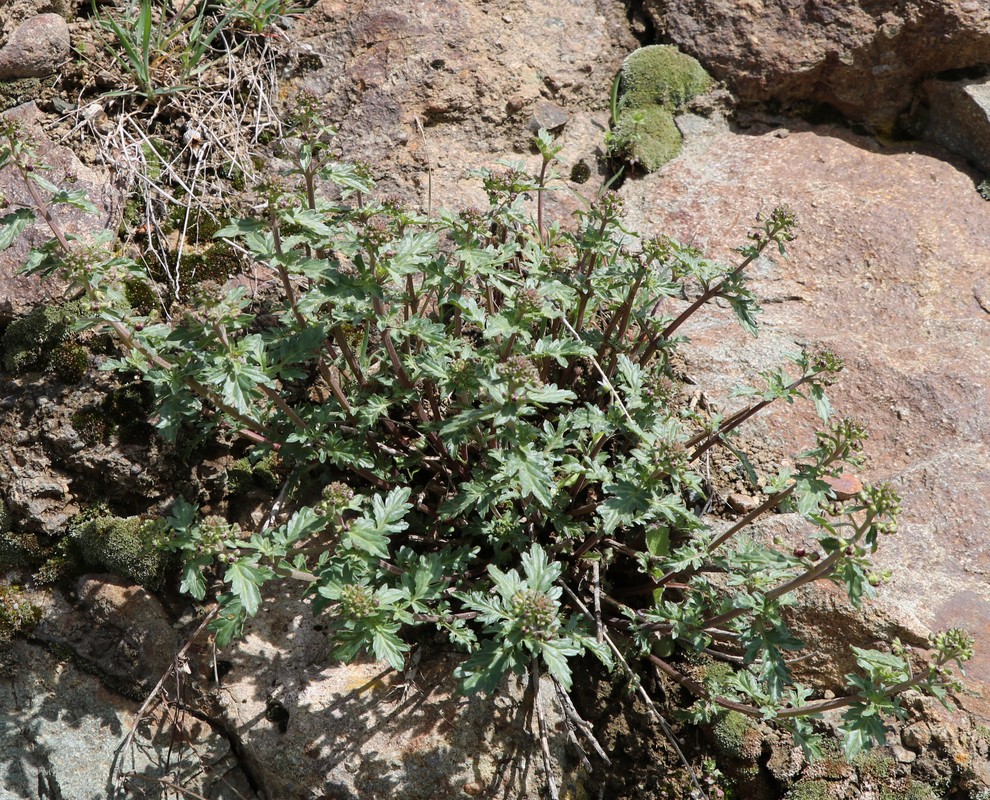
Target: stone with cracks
x=864 y=58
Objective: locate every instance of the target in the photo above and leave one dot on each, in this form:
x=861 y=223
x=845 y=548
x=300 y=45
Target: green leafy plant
x=257 y=16
x=482 y=433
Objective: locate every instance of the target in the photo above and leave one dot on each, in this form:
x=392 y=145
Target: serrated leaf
x=193 y=580
x=229 y=624
x=507 y=583
x=555 y=654
x=822 y=404
x=484 y=670
x=412 y=251
x=12 y=224
x=531 y=473
x=239 y=227
x=183 y=514
x=245 y=580
x=540 y=572
x=389 y=647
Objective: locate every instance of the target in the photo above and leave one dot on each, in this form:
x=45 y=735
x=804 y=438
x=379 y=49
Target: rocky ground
x=871 y=124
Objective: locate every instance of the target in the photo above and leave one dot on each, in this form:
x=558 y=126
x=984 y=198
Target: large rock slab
x=309 y=726
x=454 y=85
x=864 y=58
x=61 y=732
x=892 y=251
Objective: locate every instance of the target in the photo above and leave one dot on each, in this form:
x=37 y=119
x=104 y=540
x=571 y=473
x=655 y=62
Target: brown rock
x=742 y=503
x=845 y=486
x=863 y=58
x=37 y=48
x=958 y=118
x=891 y=242
x=472 y=80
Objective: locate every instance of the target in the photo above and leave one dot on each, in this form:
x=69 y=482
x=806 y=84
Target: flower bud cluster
x=537 y=613
x=336 y=498
x=214 y=532
x=881 y=501
x=519 y=372
x=357 y=602
x=610 y=206
x=528 y=301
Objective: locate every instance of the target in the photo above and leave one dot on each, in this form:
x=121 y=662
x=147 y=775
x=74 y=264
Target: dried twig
x=644 y=695
x=534 y=682
x=116 y=775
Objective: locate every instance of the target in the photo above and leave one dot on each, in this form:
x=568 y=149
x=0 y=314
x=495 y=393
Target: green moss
x=646 y=136
x=808 y=790
x=28 y=341
x=126 y=546
x=580 y=172
x=129 y=404
x=16 y=549
x=69 y=362
x=242 y=475
x=92 y=425
x=17 y=614
x=660 y=75
x=653 y=83
x=734 y=735
x=915 y=790
x=874 y=764
x=141 y=296
x=18 y=91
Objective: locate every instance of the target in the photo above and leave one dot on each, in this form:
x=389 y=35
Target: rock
x=959 y=118
x=459 y=72
x=61 y=730
x=37 y=48
x=742 y=503
x=916 y=737
x=863 y=58
x=845 y=486
x=307 y=724
x=121 y=632
x=19 y=293
x=549 y=116
x=878 y=227
x=14 y=12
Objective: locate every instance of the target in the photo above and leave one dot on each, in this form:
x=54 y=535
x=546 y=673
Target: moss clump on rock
x=17 y=613
x=647 y=136
x=809 y=790
x=69 y=361
x=660 y=75
x=16 y=550
x=125 y=546
x=29 y=341
x=914 y=790
x=734 y=734
x=653 y=84
x=242 y=475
